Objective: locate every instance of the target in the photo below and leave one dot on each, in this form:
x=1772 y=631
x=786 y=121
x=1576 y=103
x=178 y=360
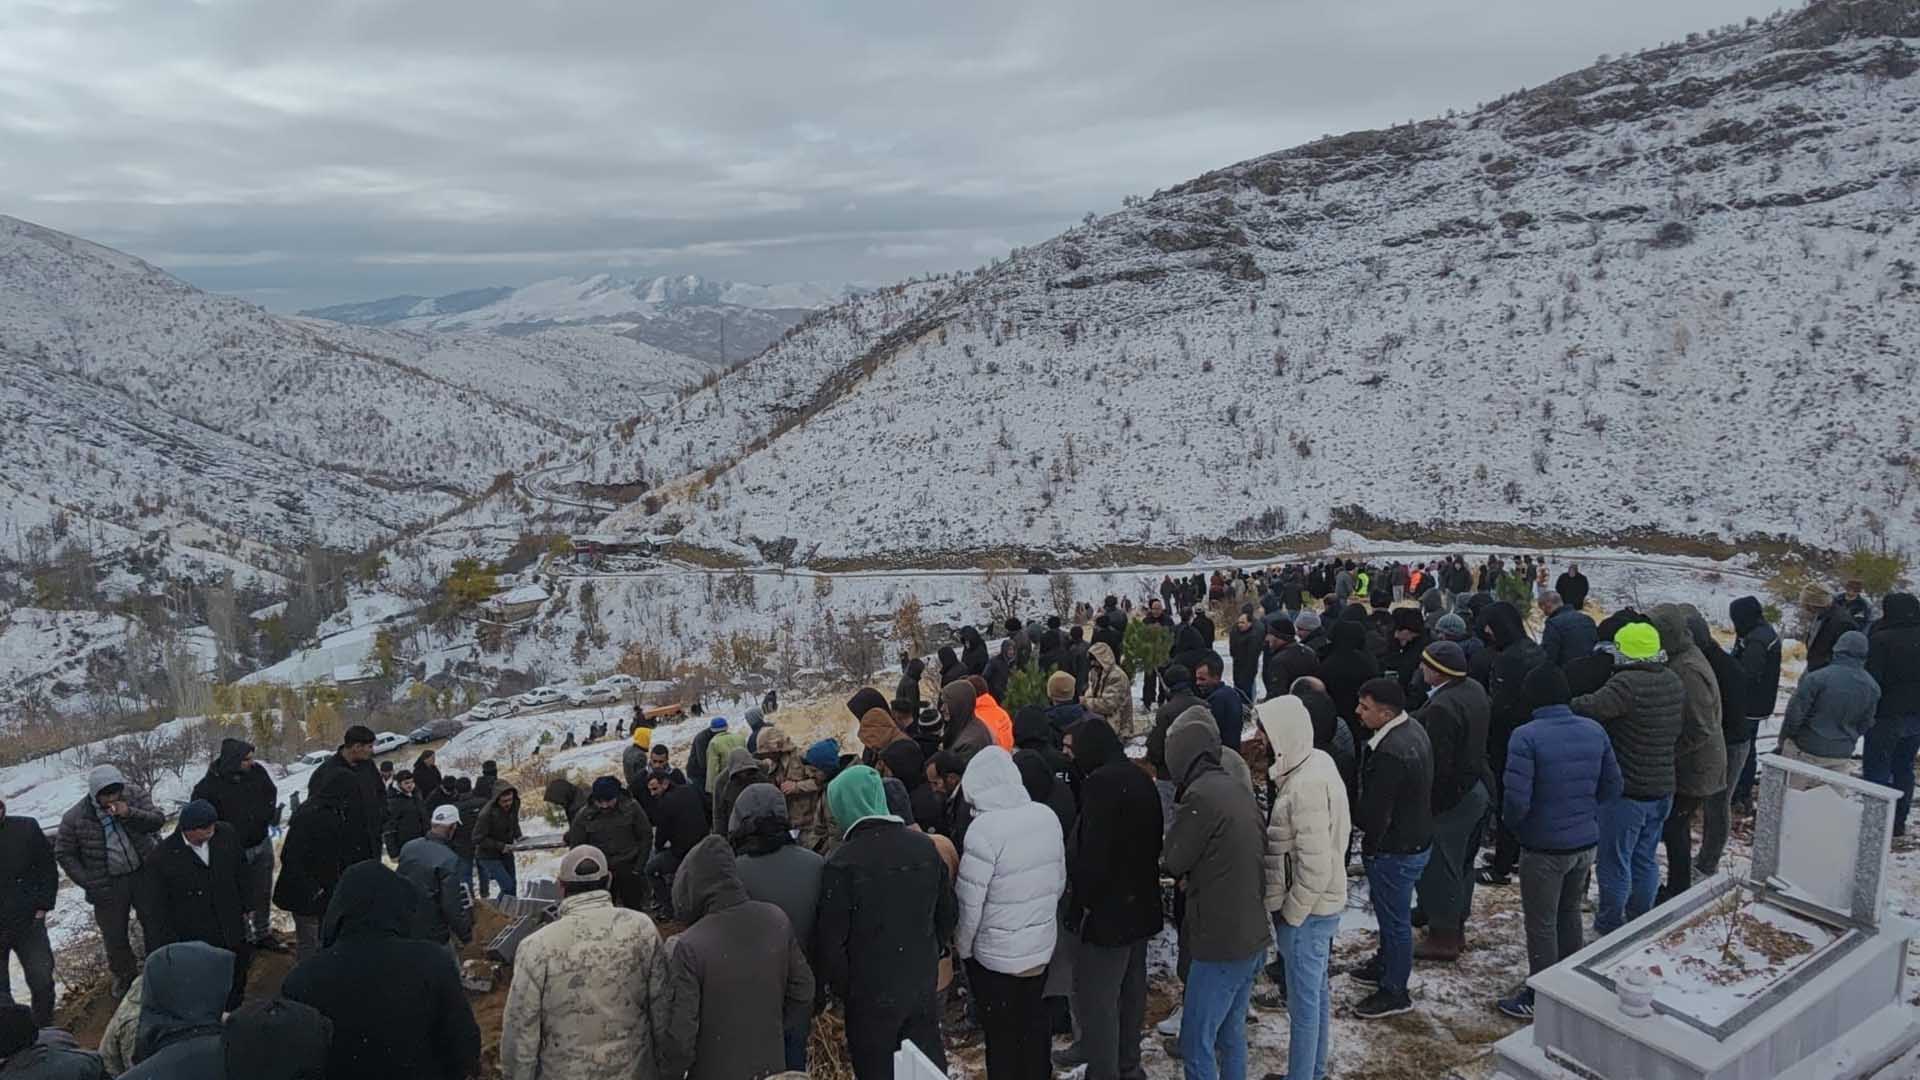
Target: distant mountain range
x=718 y=321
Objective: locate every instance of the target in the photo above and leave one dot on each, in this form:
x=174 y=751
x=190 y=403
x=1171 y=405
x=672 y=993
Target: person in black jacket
x=1717 y=810
x=1113 y=898
x=886 y=906
x=245 y=797
x=397 y=1007
x=355 y=759
x=1572 y=587
x=1395 y=815
x=679 y=822
x=325 y=836
x=1244 y=646
x=1284 y=659
x=199 y=888
x=973 y=653
x=426 y=777
x=1756 y=651
x=906 y=761
x=406 y=817
x=28 y=883
x=1455 y=718
x=1513 y=655
x=1893 y=659
x=1825 y=622
x=1347 y=666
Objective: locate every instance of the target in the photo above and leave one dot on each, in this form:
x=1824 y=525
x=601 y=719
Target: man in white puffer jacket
x=1306 y=875
x=1012 y=874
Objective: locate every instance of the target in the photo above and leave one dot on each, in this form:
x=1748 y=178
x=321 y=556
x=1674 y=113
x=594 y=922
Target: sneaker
x=1368 y=972
x=1518 y=1005
x=1070 y=1058
x=1487 y=875
x=1171 y=1025
x=1382 y=1003
x=1271 y=996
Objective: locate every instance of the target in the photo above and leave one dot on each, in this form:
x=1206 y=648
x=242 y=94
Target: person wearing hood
x=354 y=759
x=1409 y=640
x=720 y=750
x=566 y=796
x=1012 y=873
x=29 y=885
x=406 y=818
x=323 y=839
x=1176 y=697
x=904 y=761
x=1642 y=707
x=276 y=1040
x=199 y=888
x=612 y=823
x=495 y=832
x=104 y=843
x=1455 y=717
x=989 y=711
x=945 y=669
x=1561 y=771
x=1831 y=709
x=1569 y=632
x=876 y=732
x=23 y=1056
x=1113 y=899
x=1700 y=756
x=755 y=721
x=680 y=821
x=589 y=997
x=1308 y=832
x=428 y=862
x=186 y=987
x=1215 y=847
x=999 y=670
x=737 y=980
x=1893 y=659
x=1109 y=689
x=741 y=769
x=780 y=872
x=1756 y=652
x=426 y=776
x=886 y=912
x=1395 y=815
x=966 y=733
x=1825 y=622
x=973 y=652
x=635 y=760
x=1347 y=666
x=244 y=796
x=397 y=1007
x=1512 y=654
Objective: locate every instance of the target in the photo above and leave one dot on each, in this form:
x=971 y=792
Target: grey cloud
x=331 y=149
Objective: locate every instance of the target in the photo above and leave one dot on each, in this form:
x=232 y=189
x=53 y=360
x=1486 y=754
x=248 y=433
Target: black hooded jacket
x=324 y=838
x=1756 y=652
x=1893 y=656
x=396 y=1004
x=184 y=991
x=368 y=792
x=906 y=761
x=1348 y=665
x=1515 y=654
x=244 y=798
x=1113 y=852
x=973 y=654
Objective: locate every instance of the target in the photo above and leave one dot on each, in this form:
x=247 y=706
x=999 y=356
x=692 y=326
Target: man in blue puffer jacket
x=1560 y=771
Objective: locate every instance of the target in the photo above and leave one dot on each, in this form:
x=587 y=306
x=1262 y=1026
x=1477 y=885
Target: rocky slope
x=1673 y=292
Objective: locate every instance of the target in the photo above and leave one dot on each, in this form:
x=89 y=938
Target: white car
x=600 y=694
x=388 y=741
x=541 y=695
x=316 y=757
x=621 y=684
x=492 y=709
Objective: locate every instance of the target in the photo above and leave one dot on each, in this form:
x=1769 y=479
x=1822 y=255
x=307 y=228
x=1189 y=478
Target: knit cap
x=1307 y=623
x=718 y=723
x=1813 y=596
x=1060 y=687
x=198 y=815
x=606 y=788
x=1447 y=658
x=1637 y=641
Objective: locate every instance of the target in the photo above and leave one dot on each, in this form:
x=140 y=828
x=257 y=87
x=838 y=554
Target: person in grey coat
x=104 y=844
x=445 y=917
x=775 y=869
x=24 y=1057
x=1831 y=709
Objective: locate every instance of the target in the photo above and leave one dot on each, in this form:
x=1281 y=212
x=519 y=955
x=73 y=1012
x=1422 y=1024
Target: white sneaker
x=1170 y=1027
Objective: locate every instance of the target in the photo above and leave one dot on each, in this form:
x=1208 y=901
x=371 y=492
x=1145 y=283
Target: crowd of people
x=1012 y=862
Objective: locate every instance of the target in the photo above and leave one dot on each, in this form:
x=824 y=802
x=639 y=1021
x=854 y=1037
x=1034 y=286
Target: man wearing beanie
x=614 y=823
x=1825 y=622
x=1456 y=716
x=723 y=743
x=1064 y=710
x=1561 y=774
x=355 y=759
x=1283 y=659
x=1641 y=707
x=199 y=890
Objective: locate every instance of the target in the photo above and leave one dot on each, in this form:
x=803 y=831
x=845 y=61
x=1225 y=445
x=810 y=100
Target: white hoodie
x=1012 y=873
x=1310 y=825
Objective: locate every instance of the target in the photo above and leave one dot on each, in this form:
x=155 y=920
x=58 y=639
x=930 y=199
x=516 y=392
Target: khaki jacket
x=589 y=996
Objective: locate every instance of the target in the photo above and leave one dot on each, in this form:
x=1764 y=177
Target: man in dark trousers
x=245 y=797
x=199 y=888
x=355 y=759
x=104 y=844
x=27 y=887
x=1455 y=718
x=1395 y=813
x=680 y=821
x=617 y=826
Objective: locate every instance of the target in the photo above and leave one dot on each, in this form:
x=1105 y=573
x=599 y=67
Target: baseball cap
x=447 y=814
x=584 y=863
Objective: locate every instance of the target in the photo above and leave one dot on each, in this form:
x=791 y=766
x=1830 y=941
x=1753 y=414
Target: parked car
x=541 y=695
x=492 y=709
x=388 y=741
x=599 y=694
x=315 y=757
x=621 y=684
x=435 y=730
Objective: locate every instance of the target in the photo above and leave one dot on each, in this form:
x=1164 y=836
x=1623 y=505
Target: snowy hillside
x=1674 y=292
x=686 y=314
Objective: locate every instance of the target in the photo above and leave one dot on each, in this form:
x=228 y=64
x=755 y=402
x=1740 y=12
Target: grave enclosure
x=1793 y=972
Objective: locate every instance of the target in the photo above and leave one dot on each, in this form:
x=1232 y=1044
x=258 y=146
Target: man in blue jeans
x=1893 y=659
x=1640 y=706
x=1395 y=815
x=1213 y=848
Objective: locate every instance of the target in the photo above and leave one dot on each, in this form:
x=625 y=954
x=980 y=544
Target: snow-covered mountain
x=1672 y=293
x=134 y=405
x=687 y=314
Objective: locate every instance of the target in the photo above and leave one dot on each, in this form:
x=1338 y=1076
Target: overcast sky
x=303 y=152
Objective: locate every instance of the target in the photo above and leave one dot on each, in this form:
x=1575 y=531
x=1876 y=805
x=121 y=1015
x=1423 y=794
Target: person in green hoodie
x=723 y=743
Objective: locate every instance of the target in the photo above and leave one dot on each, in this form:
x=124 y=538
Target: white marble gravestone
x=1837 y=1010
